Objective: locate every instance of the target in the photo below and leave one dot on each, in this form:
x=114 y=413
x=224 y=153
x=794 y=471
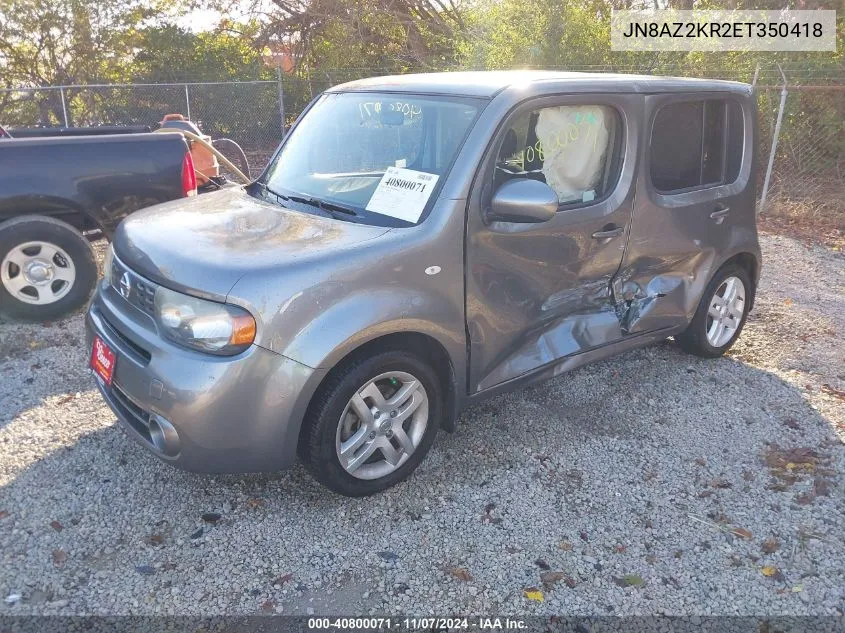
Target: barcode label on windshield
x=402 y=193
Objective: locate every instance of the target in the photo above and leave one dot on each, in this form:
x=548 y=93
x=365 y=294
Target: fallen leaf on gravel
x=459 y=572
x=532 y=593
x=566 y=546
x=57 y=526
x=821 y=487
x=801 y=458
x=59 y=556
x=156 y=539
x=268 y=606
x=542 y=564
x=253 y=504
x=836 y=393
x=621 y=549
x=769 y=571
x=3 y=514
x=211 y=517
x=388 y=555
x=631 y=580
x=196 y=534
x=145 y=570
x=798 y=588
x=281 y=580
x=551 y=577
x=770 y=546
x=721 y=483
x=65 y=399
x=701 y=461
x=570 y=582
x=651 y=559
x=742 y=532
x=805 y=498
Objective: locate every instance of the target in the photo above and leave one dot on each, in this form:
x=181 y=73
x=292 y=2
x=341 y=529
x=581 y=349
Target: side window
x=574 y=149
x=696 y=144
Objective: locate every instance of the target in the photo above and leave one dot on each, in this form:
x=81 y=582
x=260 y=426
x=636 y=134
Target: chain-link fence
x=250 y=113
x=807 y=179
x=808 y=169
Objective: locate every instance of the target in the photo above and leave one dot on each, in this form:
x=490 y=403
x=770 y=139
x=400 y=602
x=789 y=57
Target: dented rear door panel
x=678 y=240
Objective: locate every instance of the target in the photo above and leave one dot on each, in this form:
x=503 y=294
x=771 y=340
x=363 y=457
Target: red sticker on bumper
x=103 y=360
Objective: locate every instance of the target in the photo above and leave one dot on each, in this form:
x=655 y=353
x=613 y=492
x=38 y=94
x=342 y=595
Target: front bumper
x=196 y=411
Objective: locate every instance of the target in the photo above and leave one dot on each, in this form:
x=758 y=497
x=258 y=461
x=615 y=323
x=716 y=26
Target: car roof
x=488 y=84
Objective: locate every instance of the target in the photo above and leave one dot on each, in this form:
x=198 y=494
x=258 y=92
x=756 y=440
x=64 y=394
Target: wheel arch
x=424 y=345
x=751 y=264
x=62 y=209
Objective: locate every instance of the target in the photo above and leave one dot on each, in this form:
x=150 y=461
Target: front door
x=536 y=293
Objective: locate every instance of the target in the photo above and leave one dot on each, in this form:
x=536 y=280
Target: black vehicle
x=59 y=192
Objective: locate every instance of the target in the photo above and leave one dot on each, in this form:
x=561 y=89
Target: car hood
x=204 y=245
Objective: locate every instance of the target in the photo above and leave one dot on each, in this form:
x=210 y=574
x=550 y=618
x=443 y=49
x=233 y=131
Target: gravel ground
x=651 y=483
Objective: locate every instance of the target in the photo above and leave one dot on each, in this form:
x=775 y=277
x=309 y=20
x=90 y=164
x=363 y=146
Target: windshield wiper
x=322 y=205
x=330 y=208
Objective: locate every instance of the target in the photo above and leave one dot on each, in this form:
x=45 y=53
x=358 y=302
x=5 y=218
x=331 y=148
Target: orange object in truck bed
x=205 y=163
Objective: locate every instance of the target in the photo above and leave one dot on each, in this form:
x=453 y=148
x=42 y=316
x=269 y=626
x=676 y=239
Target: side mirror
x=523 y=200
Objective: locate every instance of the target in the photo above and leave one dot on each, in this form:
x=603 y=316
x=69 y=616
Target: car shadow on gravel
x=684 y=466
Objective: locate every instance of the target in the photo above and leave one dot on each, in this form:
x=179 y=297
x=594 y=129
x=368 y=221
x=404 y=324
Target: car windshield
x=369 y=157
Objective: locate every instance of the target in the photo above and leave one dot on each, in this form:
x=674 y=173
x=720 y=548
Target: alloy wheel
x=382 y=425
x=727 y=308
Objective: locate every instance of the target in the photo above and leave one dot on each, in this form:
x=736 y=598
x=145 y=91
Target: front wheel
x=372 y=423
x=47 y=268
x=721 y=313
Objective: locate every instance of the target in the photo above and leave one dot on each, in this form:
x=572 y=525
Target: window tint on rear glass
x=696 y=144
x=574 y=149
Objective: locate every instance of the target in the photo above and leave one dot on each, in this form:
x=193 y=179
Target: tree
x=60 y=42
x=389 y=35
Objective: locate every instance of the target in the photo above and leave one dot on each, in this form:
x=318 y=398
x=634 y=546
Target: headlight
x=203 y=325
x=107 y=263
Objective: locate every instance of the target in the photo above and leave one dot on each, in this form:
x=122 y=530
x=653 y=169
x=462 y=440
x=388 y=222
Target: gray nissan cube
x=416 y=244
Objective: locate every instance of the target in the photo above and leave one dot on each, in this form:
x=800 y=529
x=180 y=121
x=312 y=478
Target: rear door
x=694 y=201
x=536 y=293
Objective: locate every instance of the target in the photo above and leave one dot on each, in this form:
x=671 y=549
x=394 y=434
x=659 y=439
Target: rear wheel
x=721 y=313
x=372 y=423
x=47 y=268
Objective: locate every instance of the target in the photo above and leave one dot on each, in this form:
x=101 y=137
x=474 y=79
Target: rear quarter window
x=696 y=144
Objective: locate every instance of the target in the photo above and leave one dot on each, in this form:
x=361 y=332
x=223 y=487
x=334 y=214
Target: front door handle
x=609 y=232
x=719 y=215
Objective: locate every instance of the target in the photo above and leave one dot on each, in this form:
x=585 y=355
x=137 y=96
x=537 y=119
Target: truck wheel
x=47 y=268
x=372 y=423
x=721 y=313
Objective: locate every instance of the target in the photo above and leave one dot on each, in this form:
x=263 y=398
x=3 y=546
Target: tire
x=59 y=253
x=332 y=419
x=700 y=338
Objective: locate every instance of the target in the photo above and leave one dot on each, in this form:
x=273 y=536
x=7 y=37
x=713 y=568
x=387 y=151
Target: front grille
x=131 y=411
x=141 y=355
x=133 y=288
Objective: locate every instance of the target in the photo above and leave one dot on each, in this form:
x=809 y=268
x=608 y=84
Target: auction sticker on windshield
x=402 y=193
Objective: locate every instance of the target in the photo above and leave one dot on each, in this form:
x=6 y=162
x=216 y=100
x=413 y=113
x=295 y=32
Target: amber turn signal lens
x=243 y=330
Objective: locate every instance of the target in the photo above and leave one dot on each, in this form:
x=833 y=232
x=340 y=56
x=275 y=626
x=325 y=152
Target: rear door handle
x=609 y=233
x=719 y=215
